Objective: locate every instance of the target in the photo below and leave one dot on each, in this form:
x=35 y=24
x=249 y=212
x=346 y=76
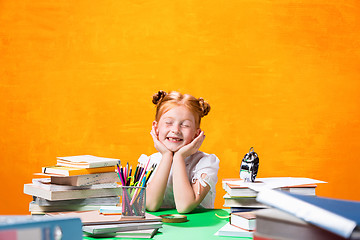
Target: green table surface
x=201 y=224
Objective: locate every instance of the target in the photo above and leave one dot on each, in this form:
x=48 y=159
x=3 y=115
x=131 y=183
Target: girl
x=184 y=177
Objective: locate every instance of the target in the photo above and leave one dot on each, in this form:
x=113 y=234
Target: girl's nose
x=175 y=128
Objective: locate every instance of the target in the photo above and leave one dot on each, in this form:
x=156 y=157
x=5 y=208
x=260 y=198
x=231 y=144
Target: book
x=242 y=209
x=45 y=183
x=341 y=217
x=110 y=210
x=235 y=190
x=87 y=179
x=95 y=218
x=36 y=209
x=94 y=201
x=111 y=228
x=244 y=202
x=271 y=182
x=39 y=227
x=37 y=191
x=239 y=188
x=275 y=224
x=243 y=220
x=86 y=161
x=257 y=236
x=232 y=231
x=72 y=171
x=146 y=233
x=96 y=223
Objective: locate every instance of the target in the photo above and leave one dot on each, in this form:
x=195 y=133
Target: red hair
x=165 y=101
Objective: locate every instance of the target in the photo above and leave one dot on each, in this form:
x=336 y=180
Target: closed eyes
x=184 y=124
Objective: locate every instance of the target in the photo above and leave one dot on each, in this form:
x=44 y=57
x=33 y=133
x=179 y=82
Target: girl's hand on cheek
x=158 y=145
x=192 y=147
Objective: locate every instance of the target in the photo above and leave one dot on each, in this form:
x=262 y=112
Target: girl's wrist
x=179 y=155
x=167 y=155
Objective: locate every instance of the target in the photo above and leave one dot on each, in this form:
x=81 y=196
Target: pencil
x=136 y=170
x=142 y=175
x=138 y=191
x=151 y=171
x=147 y=175
x=130 y=171
x=139 y=173
x=125 y=174
x=127 y=169
x=122 y=175
x=122 y=182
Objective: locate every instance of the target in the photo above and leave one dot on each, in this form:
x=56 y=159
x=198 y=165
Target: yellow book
x=72 y=171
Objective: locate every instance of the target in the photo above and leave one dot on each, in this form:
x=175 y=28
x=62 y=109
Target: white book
x=244 y=202
x=146 y=233
x=33 y=207
x=86 y=161
x=87 y=179
x=110 y=210
x=243 y=220
x=239 y=188
x=45 y=183
x=110 y=228
x=232 y=231
x=94 y=201
x=37 y=191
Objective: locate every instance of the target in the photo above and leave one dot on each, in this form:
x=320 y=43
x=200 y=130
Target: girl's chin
x=173 y=147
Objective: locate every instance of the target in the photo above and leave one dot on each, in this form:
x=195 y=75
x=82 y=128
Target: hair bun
x=157 y=97
x=205 y=107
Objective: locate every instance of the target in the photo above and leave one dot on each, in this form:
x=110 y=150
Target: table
x=201 y=225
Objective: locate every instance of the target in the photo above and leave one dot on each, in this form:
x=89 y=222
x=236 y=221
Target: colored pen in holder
x=133 y=201
x=134 y=188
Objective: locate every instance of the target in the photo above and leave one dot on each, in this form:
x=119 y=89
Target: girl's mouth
x=174 y=139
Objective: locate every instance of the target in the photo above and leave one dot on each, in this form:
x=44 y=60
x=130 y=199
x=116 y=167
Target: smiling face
x=176 y=128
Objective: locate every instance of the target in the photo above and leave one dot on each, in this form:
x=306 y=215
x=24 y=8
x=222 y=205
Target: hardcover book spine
x=308 y=212
x=25 y=227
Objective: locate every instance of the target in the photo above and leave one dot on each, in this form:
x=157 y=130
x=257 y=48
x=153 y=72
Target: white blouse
x=196 y=164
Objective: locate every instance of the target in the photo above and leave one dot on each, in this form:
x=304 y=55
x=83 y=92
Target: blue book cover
x=242 y=209
x=345 y=208
x=341 y=217
x=40 y=227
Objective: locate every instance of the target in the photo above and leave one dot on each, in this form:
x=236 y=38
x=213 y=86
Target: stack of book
x=294 y=216
x=96 y=224
x=241 y=224
x=241 y=196
x=77 y=183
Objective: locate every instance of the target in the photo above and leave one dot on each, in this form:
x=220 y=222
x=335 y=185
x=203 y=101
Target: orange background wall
x=76 y=77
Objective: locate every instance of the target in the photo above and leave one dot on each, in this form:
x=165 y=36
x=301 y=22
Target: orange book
x=72 y=171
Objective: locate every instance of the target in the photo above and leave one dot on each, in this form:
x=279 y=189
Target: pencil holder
x=133 y=202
